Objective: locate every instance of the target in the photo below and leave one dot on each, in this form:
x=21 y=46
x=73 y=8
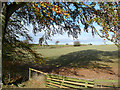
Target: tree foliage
x=45 y=16
x=41 y=40
x=26 y=41
x=108 y=18
x=57 y=42
x=58 y=17
x=76 y=43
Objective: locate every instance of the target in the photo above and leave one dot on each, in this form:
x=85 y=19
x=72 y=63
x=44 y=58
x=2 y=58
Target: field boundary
x=59 y=81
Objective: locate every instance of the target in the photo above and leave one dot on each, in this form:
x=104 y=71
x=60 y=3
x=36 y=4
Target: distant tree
x=26 y=41
x=104 y=41
x=90 y=44
x=57 y=42
x=76 y=43
x=41 y=41
x=66 y=43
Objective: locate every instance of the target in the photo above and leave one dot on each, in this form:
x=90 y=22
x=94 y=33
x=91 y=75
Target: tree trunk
x=6 y=11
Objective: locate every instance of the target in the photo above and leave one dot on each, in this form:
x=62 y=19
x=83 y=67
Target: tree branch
x=8 y=11
x=13 y=7
x=96 y=29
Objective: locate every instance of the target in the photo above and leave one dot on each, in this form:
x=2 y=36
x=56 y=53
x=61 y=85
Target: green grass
x=65 y=50
x=102 y=57
x=87 y=56
x=83 y=56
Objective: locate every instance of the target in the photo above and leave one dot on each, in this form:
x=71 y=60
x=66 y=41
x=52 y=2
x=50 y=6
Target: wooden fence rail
x=58 y=81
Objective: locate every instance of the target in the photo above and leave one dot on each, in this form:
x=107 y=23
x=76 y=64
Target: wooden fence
x=59 y=81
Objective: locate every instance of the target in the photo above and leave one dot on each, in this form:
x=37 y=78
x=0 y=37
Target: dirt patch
x=88 y=73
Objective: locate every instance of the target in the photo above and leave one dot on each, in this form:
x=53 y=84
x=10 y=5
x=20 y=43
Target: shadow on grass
x=88 y=59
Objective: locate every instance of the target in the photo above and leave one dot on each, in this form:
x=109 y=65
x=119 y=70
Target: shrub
x=76 y=43
x=90 y=44
x=57 y=42
x=26 y=41
x=66 y=43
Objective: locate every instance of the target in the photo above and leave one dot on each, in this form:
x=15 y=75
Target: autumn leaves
x=45 y=10
x=106 y=16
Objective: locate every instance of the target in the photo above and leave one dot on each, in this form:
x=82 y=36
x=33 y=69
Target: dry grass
x=37 y=81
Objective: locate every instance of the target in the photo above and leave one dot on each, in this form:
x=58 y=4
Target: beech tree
x=58 y=17
x=53 y=18
x=76 y=43
x=57 y=42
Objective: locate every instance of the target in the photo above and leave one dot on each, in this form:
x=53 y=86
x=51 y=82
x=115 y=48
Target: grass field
x=89 y=62
x=56 y=51
x=86 y=61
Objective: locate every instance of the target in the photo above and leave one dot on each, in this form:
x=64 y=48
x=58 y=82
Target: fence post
x=95 y=84
x=46 y=80
x=29 y=73
x=86 y=83
x=49 y=76
x=62 y=82
x=9 y=78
